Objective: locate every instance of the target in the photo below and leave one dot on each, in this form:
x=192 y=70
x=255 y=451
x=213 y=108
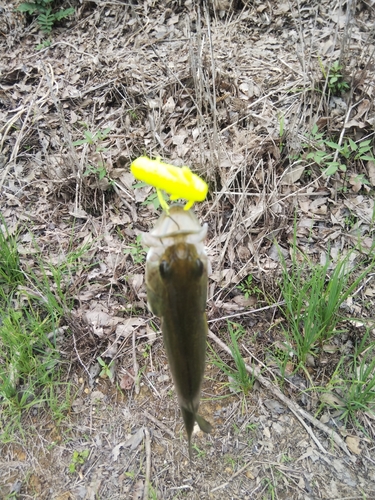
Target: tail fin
x=203 y=424
x=189 y=419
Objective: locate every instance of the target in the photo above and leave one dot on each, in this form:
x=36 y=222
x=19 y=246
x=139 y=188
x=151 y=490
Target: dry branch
x=294 y=408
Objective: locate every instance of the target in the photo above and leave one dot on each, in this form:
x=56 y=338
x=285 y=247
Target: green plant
x=239 y=378
x=136 y=251
x=352 y=386
x=10 y=272
x=44 y=10
x=130 y=474
x=43 y=45
x=99 y=171
x=95 y=139
x=332 y=156
x=334 y=77
x=152 y=493
x=32 y=304
x=200 y=453
x=313 y=299
x=248 y=287
x=107 y=369
x=153 y=198
x=133 y=114
x=270 y=487
x=78 y=458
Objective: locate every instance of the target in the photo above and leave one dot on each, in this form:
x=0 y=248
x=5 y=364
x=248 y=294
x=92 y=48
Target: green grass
x=239 y=379
x=351 y=389
x=313 y=297
x=10 y=271
x=33 y=303
x=313 y=315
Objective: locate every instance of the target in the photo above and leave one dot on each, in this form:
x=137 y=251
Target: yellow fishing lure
x=178 y=182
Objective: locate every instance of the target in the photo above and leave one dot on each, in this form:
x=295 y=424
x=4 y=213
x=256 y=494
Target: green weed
x=95 y=140
x=10 y=272
x=332 y=156
x=200 y=453
x=352 y=387
x=248 y=287
x=239 y=378
x=33 y=302
x=271 y=489
x=335 y=79
x=78 y=458
x=136 y=251
x=153 y=198
x=106 y=369
x=313 y=299
x=47 y=17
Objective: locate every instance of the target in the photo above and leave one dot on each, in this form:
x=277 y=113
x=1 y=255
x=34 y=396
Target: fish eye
x=198 y=270
x=165 y=269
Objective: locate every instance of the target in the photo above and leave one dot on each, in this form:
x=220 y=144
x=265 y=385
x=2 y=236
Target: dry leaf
x=138 y=490
x=369 y=292
x=331 y=399
x=243 y=301
x=127 y=380
x=116 y=451
x=170 y=105
x=292 y=174
x=353 y=444
x=371 y=172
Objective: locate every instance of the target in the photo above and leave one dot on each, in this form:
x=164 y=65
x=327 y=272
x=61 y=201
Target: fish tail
x=203 y=424
x=189 y=420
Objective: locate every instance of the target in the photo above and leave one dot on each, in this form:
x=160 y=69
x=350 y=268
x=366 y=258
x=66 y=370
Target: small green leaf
x=332 y=145
x=139 y=185
x=353 y=145
x=332 y=169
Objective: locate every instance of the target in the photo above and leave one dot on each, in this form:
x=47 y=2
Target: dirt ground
x=232 y=90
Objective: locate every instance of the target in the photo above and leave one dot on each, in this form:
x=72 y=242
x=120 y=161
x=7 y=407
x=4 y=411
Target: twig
x=148 y=463
x=224 y=485
x=310 y=432
x=244 y=313
x=79 y=357
x=16 y=146
x=298 y=412
x=158 y=423
x=135 y=367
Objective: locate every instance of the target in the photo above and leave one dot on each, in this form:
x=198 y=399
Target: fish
x=177 y=271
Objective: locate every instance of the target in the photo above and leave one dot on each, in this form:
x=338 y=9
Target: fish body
x=176 y=280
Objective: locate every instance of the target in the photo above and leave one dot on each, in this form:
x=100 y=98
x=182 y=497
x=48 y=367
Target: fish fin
x=203 y=424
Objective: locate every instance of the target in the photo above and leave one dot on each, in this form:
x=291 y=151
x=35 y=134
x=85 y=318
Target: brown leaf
x=371 y=172
x=127 y=380
x=138 y=490
x=353 y=444
x=243 y=301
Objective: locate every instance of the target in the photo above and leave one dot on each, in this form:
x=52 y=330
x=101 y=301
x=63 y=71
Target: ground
x=245 y=95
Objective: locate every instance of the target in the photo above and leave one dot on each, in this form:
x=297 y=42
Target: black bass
x=176 y=280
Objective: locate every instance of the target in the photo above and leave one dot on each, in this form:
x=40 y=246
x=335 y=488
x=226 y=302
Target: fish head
x=173 y=227
x=176 y=255
x=181 y=263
